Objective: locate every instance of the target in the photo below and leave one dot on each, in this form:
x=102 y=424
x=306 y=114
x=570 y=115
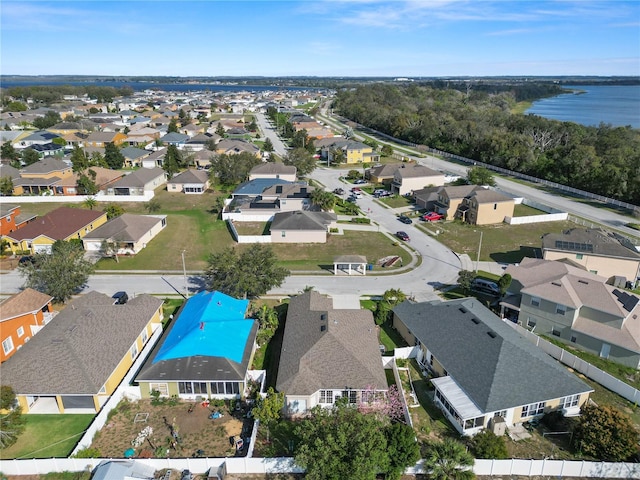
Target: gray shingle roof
x=190 y=176
x=46 y=165
x=600 y=243
x=139 y=178
x=302 y=220
x=497 y=371
x=77 y=351
x=126 y=228
x=345 y=354
x=273 y=168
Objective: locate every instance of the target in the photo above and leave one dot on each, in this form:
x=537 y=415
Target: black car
x=120 y=298
x=26 y=260
x=405 y=219
x=339 y=191
x=402 y=236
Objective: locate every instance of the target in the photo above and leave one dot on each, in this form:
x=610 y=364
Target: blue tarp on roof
x=211 y=324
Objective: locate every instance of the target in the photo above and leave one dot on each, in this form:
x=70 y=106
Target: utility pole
x=479 y=248
x=184 y=272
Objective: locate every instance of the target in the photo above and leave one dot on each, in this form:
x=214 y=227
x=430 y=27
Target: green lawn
x=522 y=210
x=390 y=338
x=501 y=243
x=396 y=201
x=48 y=436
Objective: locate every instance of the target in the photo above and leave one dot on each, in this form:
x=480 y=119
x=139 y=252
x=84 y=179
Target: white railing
x=603 y=378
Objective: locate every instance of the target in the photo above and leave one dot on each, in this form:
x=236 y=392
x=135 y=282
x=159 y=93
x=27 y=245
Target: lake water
x=618 y=105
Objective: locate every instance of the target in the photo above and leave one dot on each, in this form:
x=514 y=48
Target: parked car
x=26 y=260
x=404 y=219
x=432 y=217
x=120 y=298
x=186 y=475
x=360 y=182
x=339 y=191
x=402 y=236
x=352 y=199
x=485 y=286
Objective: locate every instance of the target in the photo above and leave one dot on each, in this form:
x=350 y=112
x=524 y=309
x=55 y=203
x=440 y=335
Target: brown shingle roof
x=58 y=224
x=77 y=352
x=27 y=301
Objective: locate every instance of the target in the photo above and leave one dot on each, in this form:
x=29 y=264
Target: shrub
x=554 y=420
x=88 y=453
x=487 y=444
x=605 y=433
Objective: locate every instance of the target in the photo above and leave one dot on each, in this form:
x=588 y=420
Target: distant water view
x=618 y=105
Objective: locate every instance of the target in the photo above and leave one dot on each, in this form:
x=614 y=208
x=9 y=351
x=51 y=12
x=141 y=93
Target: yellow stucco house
x=353 y=152
x=64 y=223
x=77 y=361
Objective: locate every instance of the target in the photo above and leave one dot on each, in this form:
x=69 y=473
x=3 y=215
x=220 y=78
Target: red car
x=432 y=217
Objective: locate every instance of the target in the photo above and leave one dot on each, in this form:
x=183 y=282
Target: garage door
x=77 y=401
x=42 y=248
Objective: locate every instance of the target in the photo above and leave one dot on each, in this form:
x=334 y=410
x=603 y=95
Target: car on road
x=356 y=189
x=120 y=298
x=432 y=217
x=404 y=219
x=402 y=236
x=360 y=182
x=339 y=191
x=352 y=199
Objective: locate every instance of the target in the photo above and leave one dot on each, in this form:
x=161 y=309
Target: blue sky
x=321 y=38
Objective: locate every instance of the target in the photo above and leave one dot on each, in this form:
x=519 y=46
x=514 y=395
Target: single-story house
x=138 y=182
x=190 y=181
x=131 y=233
x=413 y=176
x=21 y=316
x=78 y=360
x=327 y=354
x=133 y=156
x=100 y=139
x=233 y=146
x=206 y=351
x=41 y=137
x=64 y=223
x=484 y=369
x=175 y=138
x=601 y=252
x=558 y=299
x=103 y=178
x=302 y=226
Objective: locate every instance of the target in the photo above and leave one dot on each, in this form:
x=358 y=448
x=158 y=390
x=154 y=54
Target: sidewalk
x=491 y=267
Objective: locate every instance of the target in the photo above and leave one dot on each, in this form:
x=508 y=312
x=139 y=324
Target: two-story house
x=352 y=151
x=413 y=176
x=558 y=299
x=11 y=218
x=485 y=207
x=42 y=176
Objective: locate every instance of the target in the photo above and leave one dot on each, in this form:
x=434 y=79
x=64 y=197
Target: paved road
x=270 y=133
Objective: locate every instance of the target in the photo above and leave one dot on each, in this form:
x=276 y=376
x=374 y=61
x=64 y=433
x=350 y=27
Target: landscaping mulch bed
x=196 y=433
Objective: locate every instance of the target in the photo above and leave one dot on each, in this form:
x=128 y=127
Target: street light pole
x=184 y=272
x=479 y=248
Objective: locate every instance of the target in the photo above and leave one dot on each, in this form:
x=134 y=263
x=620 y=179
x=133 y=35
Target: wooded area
x=478 y=123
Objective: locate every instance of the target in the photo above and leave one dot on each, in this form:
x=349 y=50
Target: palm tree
x=323 y=199
x=448 y=460
x=90 y=202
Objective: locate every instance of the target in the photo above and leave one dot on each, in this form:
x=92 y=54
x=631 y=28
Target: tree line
x=48 y=94
x=478 y=123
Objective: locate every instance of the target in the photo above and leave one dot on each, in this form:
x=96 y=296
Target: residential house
x=11 y=218
x=450 y=198
x=9 y=172
x=13 y=136
x=41 y=177
x=599 y=251
x=41 y=137
x=485 y=207
x=64 y=223
x=302 y=226
x=328 y=353
x=102 y=177
x=273 y=170
x=201 y=141
x=130 y=233
x=138 y=182
x=484 y=368
x=133 y=156
x=142 y=135
x=155 y=159
x=100 y=139
x=205 y=353
x=78 y=360
x=233 y=146
x=21 y=316
x=190 y=181
x=351 y=151
x=561 y=299
x=174 y=138
x=413 y=176
x=48 y=150
x=426 y=198
x=382 y=174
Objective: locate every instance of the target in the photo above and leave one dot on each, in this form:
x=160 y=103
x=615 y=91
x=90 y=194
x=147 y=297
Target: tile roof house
x=21 y=316
x=600 y=252
x=273 y=170
x=326 y=354
x=484 y=368
x=11 y=218
x=558 y=299
x=77 y=360
x=302 y=226
x=206 y=352
x=130 y=232
x=190 y=181
x=138 y=182
x=413 y=176
x=64 y=223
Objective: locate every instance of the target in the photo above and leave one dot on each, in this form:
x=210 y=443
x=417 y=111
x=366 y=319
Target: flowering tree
x=389 y=405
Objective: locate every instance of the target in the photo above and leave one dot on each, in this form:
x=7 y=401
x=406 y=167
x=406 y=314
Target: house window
x=579 y=256
x=535 y=301
x=326 y=396
x=20 y=331
x=561 y=309
x=474 y=422
x=573 y=339
x=134 y=351
x=502 y=413
x=145 y=336
x=533 y=409
x=284 y=234
x=323 y=328
x=200 y=387
x=555 y=332
x=7 y=345
x=185 y=387
x=570 y=401
x=163 y=388
x=530 y=323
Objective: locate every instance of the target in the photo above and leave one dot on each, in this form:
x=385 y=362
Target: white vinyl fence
x=99 y=197
x=569 y=359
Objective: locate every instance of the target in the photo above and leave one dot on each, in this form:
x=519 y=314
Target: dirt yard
x=183 y=430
